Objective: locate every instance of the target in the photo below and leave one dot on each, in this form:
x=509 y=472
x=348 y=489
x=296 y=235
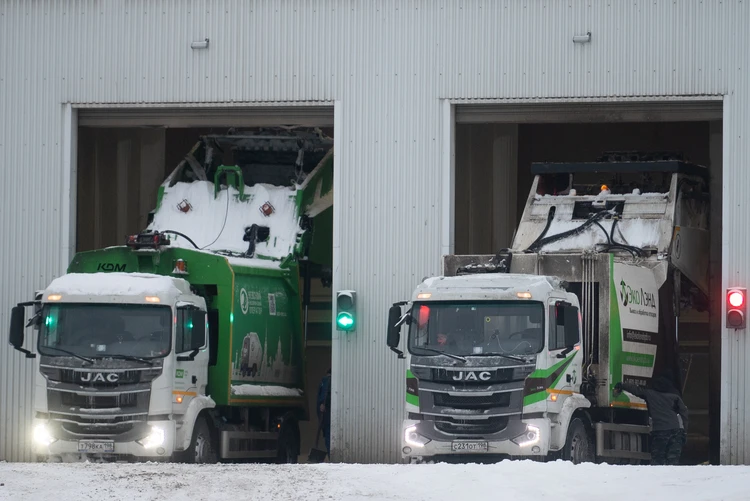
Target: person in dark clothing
x=669 y=418
x=324 y=408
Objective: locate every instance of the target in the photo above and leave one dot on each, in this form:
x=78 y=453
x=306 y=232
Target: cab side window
x=564 y=326
x=191 y=329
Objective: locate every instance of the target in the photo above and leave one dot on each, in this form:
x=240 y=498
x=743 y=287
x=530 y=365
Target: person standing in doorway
x=669 y=418
x=324 y=409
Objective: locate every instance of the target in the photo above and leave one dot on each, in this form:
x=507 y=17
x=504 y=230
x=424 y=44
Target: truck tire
x=288 y=445
x=202 y=449
x=578 y=446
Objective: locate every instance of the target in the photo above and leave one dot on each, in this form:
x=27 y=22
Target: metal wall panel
x=387 y=64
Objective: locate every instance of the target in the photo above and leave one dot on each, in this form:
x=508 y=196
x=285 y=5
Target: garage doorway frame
x=705 y=108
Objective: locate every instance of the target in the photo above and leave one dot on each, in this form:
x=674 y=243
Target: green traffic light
x=345 y=321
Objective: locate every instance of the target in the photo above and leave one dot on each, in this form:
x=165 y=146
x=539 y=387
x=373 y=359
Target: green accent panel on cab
x=537 y=383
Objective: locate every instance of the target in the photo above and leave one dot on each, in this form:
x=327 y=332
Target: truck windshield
x=101 y=330
x=486 y=328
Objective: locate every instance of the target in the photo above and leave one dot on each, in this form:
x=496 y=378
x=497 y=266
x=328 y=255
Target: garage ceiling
x=578 y=112
x=255 y=116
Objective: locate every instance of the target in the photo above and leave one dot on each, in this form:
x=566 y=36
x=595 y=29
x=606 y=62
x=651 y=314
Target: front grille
x=472 y=402
x=95 y=426
x=471 y=426
x=93 y=401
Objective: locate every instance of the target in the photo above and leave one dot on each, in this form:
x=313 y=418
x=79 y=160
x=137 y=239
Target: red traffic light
x=736 y=299
x=736 y=308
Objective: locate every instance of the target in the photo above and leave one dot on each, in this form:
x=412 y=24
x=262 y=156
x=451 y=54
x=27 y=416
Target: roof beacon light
x=54 y=297
x=153 y=299
x=524 y=295
x=424 y=295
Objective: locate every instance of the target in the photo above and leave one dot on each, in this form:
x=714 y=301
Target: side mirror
x=17 y=330
x=394 y=330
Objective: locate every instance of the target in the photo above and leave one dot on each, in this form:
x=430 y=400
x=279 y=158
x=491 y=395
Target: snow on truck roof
x=489 y=283
x=117 y=284
x=218 y=224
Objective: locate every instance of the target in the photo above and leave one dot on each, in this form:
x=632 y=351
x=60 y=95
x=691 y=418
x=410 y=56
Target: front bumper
x=536 y=444
x=153 y=447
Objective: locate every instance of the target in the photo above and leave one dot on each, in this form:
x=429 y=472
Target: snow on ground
x=203 y=224
x=504 y=481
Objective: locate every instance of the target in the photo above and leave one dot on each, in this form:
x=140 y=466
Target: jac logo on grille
x=471 y=376
x=98 y=377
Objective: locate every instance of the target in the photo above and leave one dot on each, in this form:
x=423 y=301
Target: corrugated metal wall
x=387 y=64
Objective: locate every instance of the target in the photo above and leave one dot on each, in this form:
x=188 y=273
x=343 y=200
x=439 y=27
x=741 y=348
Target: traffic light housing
x=346 y=311
x=736 y=308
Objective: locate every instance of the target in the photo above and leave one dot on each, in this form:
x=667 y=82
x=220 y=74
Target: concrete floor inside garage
x=493 y=178
x=119 y=171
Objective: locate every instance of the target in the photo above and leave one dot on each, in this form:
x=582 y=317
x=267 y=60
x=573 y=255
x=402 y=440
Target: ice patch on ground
x=203 y=223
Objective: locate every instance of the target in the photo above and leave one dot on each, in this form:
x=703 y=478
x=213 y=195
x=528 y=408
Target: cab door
x=563 y=351
x=191 y=343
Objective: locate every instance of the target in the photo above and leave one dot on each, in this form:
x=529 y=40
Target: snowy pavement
x=504 y=481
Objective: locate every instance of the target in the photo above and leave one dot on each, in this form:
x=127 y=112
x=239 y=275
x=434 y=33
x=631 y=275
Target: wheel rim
x=577 y=448
x=201 y=448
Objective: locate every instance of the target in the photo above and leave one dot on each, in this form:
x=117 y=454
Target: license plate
x=469 y=446
x=96 y=447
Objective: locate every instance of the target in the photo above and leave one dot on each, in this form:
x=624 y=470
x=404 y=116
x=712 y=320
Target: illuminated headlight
x=530 y=437
x=42 y=435
x=154 y=439
x=413 y=438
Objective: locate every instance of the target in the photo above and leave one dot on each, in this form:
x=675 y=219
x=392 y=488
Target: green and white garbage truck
x=187 y=343
x=517 y=354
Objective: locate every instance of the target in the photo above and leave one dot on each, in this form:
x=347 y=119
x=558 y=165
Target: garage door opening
x=123 y=159
x=494 y=149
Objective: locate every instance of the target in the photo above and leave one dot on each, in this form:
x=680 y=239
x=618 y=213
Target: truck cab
x=492 y=362
x=122 y=359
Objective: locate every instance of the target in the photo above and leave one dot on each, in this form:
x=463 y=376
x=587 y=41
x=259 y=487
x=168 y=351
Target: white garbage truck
x=517 y=354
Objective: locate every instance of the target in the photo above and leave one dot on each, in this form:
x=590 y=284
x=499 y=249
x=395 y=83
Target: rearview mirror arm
x=397 y=351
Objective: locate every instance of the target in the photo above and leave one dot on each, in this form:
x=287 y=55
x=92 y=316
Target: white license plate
x=469 y=446
x=96 y=447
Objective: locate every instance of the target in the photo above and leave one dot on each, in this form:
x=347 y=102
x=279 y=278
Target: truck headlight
x=530 y=437
x=413 y=438
x=42 y=435
x=154 y=439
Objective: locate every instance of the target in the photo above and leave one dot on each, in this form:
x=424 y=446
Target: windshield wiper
x=129 y=357
x=451 y=355
x=509 y=357
x=67 y=352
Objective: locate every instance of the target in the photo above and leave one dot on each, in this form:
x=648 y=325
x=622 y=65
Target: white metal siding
x=387 y=64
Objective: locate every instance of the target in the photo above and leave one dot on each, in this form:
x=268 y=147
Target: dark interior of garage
x=119 y=171
x=492 y=182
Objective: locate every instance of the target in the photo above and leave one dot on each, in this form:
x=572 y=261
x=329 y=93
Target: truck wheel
x=288 y=445
x=578 y=446
x=201 y=448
